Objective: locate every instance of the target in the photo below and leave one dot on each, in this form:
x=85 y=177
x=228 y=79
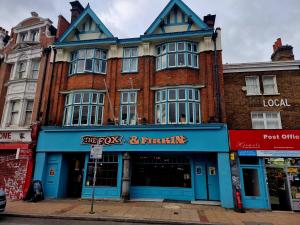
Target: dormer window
x=88 y=61
x=177 y=54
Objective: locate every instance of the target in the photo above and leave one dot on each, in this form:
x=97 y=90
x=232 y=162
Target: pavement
x=147 y=212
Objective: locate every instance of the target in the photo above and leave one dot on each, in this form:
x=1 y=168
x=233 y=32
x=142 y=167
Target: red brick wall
x=144 y=79
x=239 y=106
x=4 y=77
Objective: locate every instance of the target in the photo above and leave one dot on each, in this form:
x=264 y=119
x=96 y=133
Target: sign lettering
x=276 y=103
x=5 y=135
x=108 y=140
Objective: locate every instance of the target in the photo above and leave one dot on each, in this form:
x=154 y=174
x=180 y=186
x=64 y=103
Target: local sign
x=277 y=140
x=134 y=140
x=276 y=103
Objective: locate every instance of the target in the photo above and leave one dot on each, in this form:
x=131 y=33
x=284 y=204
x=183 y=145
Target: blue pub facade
x=152 y=102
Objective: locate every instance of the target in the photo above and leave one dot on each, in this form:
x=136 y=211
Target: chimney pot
x=282 y=53
x=76 y=10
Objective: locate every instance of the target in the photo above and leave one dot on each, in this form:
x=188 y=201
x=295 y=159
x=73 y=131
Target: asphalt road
x=7 y=220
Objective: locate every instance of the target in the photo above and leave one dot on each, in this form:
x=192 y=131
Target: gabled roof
x=90 y=12
x=184 y=8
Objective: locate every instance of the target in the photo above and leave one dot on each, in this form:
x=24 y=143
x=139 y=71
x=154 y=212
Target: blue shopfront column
x=40 y=163
x=225 y=183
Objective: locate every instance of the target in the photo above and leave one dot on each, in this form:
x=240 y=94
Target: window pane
x=90 y=53
x=194 y=47
x=158 y=96
x=97 y=53
x=84 y=115
x=172 y=61
x=89 y=64
x=124 y=114
x=182 y=112
x=158 y=114
x=67 y=116
x=172 y=94
x=80 y=66
x=180 y=46
x=134 y=64
x=164 y=49
x=163 y=95
x=189 y=59
x=251 y=182
x=127 y=52
x=172 y=112
x=77 y=98
x=132 y=117
x=126 y=65
x=81 y=54
x=93 y=115
x=182 y=94
x=198 y=113
x=100 y=115
x=125 y=97
x=101 y=98
x=190 y=91
x=172 y=47
x=96 y=65
x=132 y=97
x=94 y=98
x=76 y=115
x=134 y=52
x=103 y=66
x=197 y=95
x=164 y=61
x=195 y=60
x=191 y=112
x=103 y=55
x=181 y=59
x=252 y=85
x=269 y=85
x=86 y=98
x=163 y=114
x=158 y=63
x=189 y=47
x=258 y=125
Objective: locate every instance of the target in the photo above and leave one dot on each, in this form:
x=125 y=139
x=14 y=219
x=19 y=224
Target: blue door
x=213 y=181
x=253 y=187
x=200 y=180
x=51 y=180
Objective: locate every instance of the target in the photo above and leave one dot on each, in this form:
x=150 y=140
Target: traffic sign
x=96 y=151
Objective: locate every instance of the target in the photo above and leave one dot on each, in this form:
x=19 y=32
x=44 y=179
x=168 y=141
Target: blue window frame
x=84 y=109
x=128 y=114
x=177 y=106
x=177 y=54
x=130 y=60
x=88 y=60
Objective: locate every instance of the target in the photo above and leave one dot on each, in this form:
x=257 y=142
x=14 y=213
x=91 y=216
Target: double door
x=206 y=179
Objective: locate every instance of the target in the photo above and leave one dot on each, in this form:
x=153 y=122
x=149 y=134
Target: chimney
x=210 y=20
x=282 y=52
x=76 y=10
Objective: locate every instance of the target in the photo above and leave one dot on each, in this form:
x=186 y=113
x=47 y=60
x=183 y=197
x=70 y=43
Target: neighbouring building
x=21 y=67
x=153 y=103
x=263 y=116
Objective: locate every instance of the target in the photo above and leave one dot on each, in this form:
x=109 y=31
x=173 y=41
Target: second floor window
x=266 y=120
x=252 y=85
x=130 y=60
x=28 y=112
x=88 y=60
x=83 y=109
x=35 y=69
x=177 y=106
x=128 y=108
x=15 y=111
x=176 y=54
x=21 y=70
x=270 y=85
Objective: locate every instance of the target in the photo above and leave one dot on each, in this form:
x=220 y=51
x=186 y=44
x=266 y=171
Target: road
x=7 y=220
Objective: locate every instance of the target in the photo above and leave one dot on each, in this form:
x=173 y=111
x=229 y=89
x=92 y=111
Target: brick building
x=21 y=68
x=152 y=102
x=263 y=116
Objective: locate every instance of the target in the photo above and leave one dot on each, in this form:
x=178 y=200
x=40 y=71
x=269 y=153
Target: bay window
x=83 y=109
x=177 y=106
x=177 y=54
x=88 y=60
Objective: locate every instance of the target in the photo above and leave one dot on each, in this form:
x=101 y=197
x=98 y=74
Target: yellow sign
x=292 y=170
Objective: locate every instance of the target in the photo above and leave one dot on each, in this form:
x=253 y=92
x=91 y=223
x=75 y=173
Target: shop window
x=21 y=70
x=130 y=60
x=35 y=69
x=266 y=120
x=28 y=112
x=15 y=110
x=84 y=109
x=128 y=108
x=107 y=171
x=270 y=85
x=161 y=171
x=177 y=106
x=252 y=85
x=251 y=182
x=88 y=60
x=176 y=54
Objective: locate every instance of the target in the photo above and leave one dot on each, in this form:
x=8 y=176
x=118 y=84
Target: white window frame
x=257 y=86
x=130 y=59
x=265 y=119
x=14 y=111
x=27 y=110
x=129 y=103
x=274 y=83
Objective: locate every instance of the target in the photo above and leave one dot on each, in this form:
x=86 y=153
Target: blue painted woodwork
x=40 y=162
x=200 y=138
x=255 y=202
x=213 y=182
x=200 y=179
x=73 y=26
x=225 y=183
x=184 y=8
x=52 y=177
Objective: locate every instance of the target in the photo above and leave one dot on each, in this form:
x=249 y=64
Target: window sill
x=254 y=94
x=274 y=94
x=128 y=73
x=176 y=68
x=85 y=73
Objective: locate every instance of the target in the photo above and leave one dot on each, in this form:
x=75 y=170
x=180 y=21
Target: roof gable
x=176 y=13
x=87 y=26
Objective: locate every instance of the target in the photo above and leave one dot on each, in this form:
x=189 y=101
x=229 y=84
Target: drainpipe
x=46 y=52
x=216 y=79
x=50 y=88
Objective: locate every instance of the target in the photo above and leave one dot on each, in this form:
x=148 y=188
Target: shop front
x=142 y=162
x=16 y=162
x=269 y=168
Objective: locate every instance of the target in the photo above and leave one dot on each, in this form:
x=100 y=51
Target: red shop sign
x=264 y=140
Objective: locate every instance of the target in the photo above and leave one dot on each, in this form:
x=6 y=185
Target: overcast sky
x=249 y=27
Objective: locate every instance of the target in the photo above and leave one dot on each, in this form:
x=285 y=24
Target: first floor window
x=252 y=85
x=15 y=110
x=28 y=112
x=83 y=109
x=161 y=171
x=128 y=108
x=177 y=106
x=266 y=120
x=130 y=60
x=107 y=171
